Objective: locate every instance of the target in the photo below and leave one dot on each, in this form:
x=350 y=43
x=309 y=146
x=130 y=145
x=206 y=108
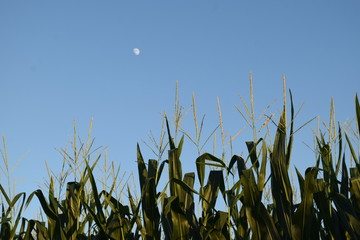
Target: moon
x=136 y=51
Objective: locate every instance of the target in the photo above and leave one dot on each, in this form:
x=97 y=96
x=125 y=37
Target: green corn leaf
x=18 y=216
x=340 y=154
x=180 y=145
x=304 y=217
x=135 y=212
x=200 y=165
x=159 y=172
x=250 y=189
x=44 y=205
x=184 y=185
x=211 y=190
x=72 y=210
x=171 y=141
x=143 y=174
x=329 y=173
x=175 y=221
x=150 y=210
x=231 y=201
x=115 y=205
x=166 y=216
x=344 y=185
x=5 y=194
x=354 y=172
x=152 y=168
x=291 y=134
x=218 y=228
x=235 y=189
x=85 y=176
x=243 y=230
x=355 y=194
x=301 y=183
x=347 y=215
x=22 y=225
x=280 y=182
x=326 y=212
x=175 y=171
x=11 y=205
x=98 y=220
x=95 y=194
x=188 y=198
x=352 y=151
x=240 y=164
x=30 y=228
x=271 y=230
x=251 y=146
x=262 y=174
x=42 y=233
x=5 y=230
x=54 y=223
x=254 y=224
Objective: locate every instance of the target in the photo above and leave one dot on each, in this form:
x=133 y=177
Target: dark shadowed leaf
x=201 y=162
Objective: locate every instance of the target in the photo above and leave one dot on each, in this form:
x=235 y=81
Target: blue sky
x=67 y=60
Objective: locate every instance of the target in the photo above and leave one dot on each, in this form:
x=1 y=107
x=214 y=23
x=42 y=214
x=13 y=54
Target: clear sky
x=66 y=60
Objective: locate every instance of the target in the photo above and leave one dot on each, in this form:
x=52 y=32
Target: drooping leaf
x=251 y=146
x=159 y=172
x=240 y=164
x=201 y=162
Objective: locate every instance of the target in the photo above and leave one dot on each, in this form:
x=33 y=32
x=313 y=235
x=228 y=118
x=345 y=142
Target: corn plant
x=185 y=206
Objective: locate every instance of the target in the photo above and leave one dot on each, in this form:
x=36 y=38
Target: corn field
x=185 y=206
